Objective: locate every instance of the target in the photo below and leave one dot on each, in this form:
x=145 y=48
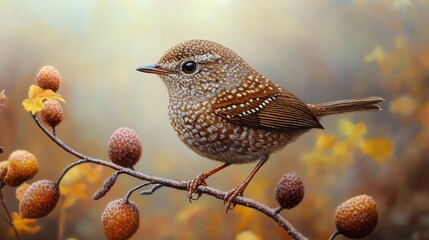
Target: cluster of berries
x=354 y=218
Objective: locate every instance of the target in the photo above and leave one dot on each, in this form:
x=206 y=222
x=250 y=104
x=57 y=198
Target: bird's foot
x=229 y=198
x=199 y=180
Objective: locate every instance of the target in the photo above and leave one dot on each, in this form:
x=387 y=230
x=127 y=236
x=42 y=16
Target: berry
x=120 y=220
x=48 y=78
x=39 y=199
x=356 y=217
x=20 y=167
x=124 y=147
x=289 y=190
x=52 y=114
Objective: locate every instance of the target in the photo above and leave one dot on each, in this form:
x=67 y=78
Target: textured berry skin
x=48 y=78
x=52 y=114
x=39 y=199
x=289 y=190
x=120 y=220
x=20 y=167
x=356 y=217
x=124 y=147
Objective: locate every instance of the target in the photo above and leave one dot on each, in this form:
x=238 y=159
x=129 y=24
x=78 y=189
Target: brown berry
x=20 y=167
x=52 y=114
x=125 y=148
x=289 y=190
x=120 y=220
x=356 y=217
x=39 y=199
x=48 y=78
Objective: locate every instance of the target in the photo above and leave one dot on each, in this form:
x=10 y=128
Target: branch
x=9 y=220
x=179 y=185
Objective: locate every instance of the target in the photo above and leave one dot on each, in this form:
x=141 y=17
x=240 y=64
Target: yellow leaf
x=325 y=141
x=342 y=151
x=404 y=105
x=73 y=193
x=36 y=96
x=19 y=192
x=352 y=131
x=48 y=94
x=33 y=105
x=247 y=235
x=34 y=91
x=92 y=174
x=189 y=212
x=23 y=224
x=378 y=149
x=376 y=55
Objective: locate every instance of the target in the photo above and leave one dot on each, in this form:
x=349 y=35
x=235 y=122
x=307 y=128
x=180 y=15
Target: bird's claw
x=229 y=198
x=199 y=180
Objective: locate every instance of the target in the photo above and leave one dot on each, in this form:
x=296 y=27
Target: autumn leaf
x=247 y=235
x=36 y=96
x=325 y=141
x=25 y=224
x=376 y=55
x=73 y=193
x=352 y=131
x=190 y=212
x=404 y=105
x=378 y=149
x=20 y=191
x=92 y=174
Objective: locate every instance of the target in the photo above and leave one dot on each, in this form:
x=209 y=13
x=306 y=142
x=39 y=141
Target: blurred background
x=319 y=50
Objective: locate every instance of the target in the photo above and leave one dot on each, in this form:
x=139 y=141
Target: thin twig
x=278 y=209
x=336 y=233
x=151 y=190
x=180 y=185
x=84 y=160
x=127 y=196
x=10 y=220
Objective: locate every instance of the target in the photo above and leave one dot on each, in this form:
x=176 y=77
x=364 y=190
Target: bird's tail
x=348 y=105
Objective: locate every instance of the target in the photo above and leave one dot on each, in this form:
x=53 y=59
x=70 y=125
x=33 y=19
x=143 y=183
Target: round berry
x=52 y=114
x=120 y=220
x=356 y=217
x=289 y=190
x=39 y=199
x=20 y=167
x=124 y=147
x=48 y=78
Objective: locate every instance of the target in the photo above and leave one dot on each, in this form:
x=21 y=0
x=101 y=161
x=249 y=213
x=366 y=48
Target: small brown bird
x=224 y=110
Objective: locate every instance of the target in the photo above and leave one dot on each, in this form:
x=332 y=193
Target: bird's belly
x=215 y=138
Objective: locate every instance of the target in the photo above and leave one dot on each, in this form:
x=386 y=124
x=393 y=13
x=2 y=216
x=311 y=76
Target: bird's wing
x=265 y=106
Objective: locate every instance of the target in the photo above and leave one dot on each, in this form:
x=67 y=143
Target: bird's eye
x=189 y=67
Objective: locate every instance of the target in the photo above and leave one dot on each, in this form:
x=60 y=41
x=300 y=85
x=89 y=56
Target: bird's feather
x=265 y=106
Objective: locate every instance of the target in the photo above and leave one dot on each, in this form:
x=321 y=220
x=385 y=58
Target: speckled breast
x=216 y=138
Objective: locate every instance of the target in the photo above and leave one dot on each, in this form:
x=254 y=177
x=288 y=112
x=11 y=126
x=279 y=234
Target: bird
x=225 y=110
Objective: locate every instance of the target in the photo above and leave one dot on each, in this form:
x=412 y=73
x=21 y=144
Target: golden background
x=319 y=50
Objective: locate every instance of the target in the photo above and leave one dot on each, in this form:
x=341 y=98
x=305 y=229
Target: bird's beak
x=155 y=69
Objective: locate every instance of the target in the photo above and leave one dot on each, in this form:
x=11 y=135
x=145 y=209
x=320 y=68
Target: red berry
x=289 y=190
x=356 y=217
x=48 y=78
x=120 y=220
x=124 y=147
x=20 y=167
x=52 y=114
x=39 y=199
